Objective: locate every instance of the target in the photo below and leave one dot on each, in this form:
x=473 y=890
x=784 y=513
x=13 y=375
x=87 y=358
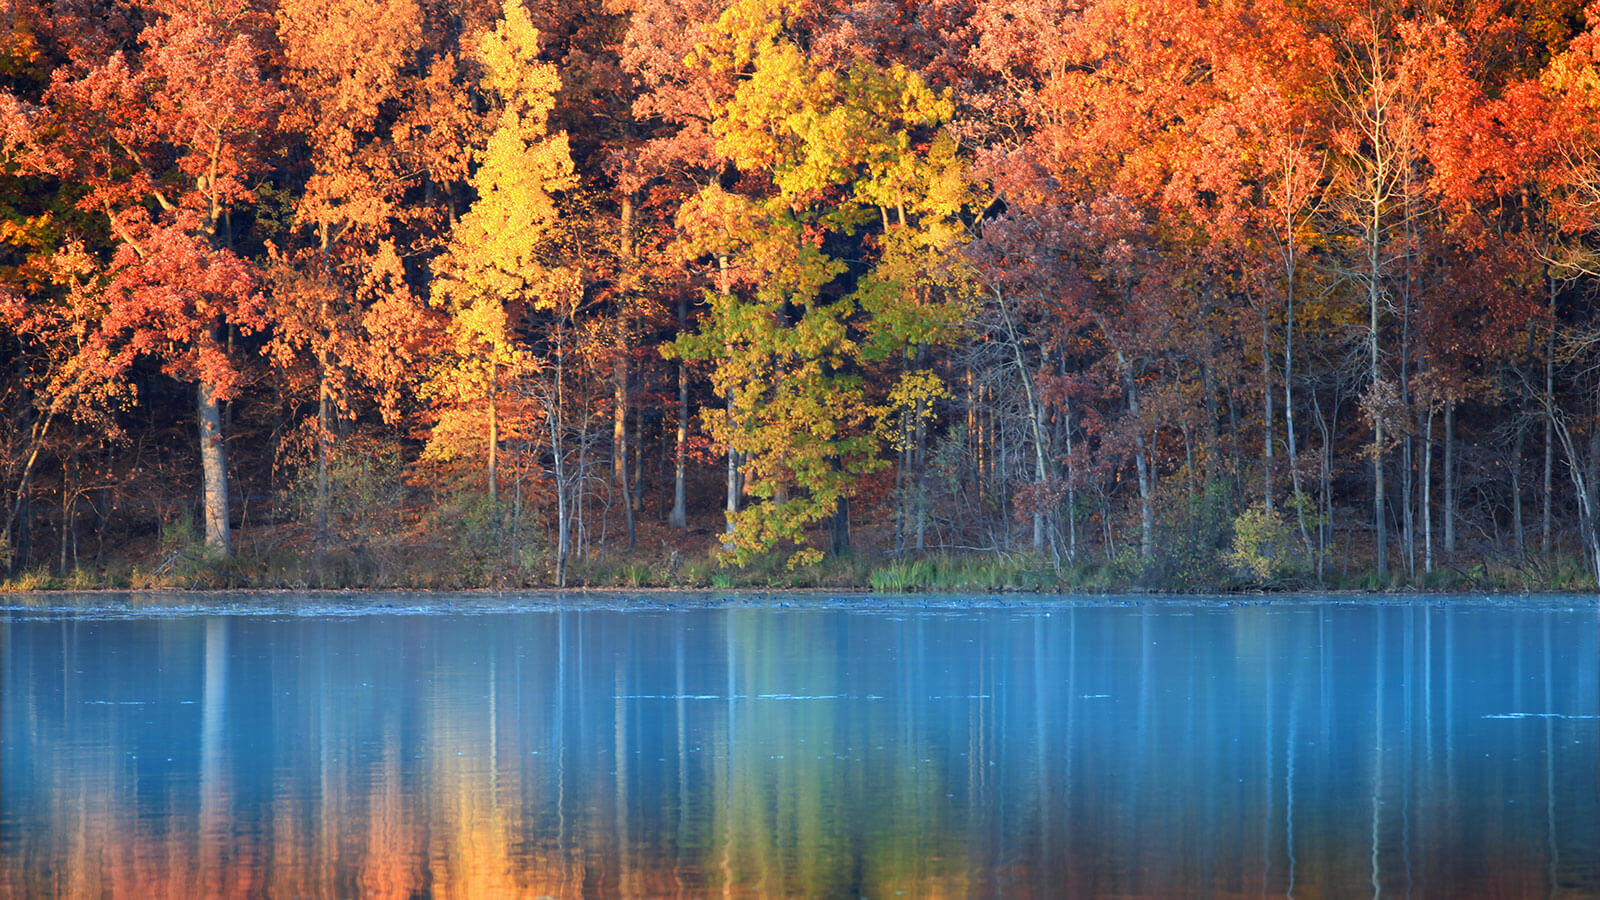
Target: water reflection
x=1157 y=751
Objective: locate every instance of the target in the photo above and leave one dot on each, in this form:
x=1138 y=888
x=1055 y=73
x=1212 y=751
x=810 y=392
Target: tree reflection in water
x=1044 y=749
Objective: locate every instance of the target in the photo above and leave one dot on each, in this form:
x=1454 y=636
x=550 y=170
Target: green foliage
x=948 y=573
x=1264 y=547
x=1192 y=530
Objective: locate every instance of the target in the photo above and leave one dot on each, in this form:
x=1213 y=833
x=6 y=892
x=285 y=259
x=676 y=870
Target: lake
x=681 y=746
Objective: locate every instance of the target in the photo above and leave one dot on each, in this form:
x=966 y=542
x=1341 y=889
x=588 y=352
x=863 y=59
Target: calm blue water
x=460 y=747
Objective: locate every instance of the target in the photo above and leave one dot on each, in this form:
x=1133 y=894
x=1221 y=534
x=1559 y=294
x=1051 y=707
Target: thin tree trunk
x=619 y=442
x=919 y=461
x=1141 y=465
x=491 y=470
x=619 y=425
x=15 y=525
x=680 y=514
x=1266 y=416
x=1072 y=491
x=1583 y=491
x=732 y=506
x=1325 y=473
x=325 y=364
x=638 y=460
x=1427 y=493
x=1549 y=424
x=1408 y=522
x=1450 y=477
x=1516 y=490
x=324 y=452
x=557 y=454
x=1035 y=416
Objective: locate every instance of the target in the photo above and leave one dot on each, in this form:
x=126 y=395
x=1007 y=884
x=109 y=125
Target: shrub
x=1263 y=546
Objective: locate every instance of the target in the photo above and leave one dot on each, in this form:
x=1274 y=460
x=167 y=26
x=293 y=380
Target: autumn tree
x=497 y=266
x=835 y=161
x=165 y=137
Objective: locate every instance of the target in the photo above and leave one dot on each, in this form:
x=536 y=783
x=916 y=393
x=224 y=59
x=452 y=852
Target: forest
x=1182 y=294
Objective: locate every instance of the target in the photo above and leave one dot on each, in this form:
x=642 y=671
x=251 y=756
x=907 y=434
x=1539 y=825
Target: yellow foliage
x=502 y=259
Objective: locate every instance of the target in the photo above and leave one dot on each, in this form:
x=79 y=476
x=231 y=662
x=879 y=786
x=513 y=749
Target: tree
x=164 y=140
x=824 y=153
x=497 y=266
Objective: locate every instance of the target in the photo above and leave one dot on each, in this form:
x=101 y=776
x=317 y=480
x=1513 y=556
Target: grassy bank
x=440 y=566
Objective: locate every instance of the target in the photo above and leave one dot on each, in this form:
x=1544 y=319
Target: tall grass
x=948 y=573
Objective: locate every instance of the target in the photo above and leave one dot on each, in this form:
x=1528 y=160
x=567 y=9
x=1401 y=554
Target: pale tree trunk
x=731 y=508
x=1325 y=476
x=1141 y=464
x=619 y=442
x=1035 y=418
x=1373 y=178
x=492 y=451
x=619 y=426
x=558 y=467
x=1288 y=416
x=1072 y=490
x=324 y=455
x=1266 y=415
x=1450 y=477
x=1380 y=542
x=1427 y=494
x=213 y=472
x=680 y=512
x=1583 y=490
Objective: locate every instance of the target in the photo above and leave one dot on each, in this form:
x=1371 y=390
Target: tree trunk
x=1450 y=477
x=1266 y=415
x=1549 y=424
x=619 y=442
x=1408 y=522
x=491 y=471
x=839 y=532
x=638 y=460
x=324 y=453
x=1141 y=465
x=213 y=472
x=558 y=468
x=1380 y=531
x=680 y=512
x=1427 y=494
x=1035 y=419
x=619 y=425
x=919 y=462
x=731 y=508
x=1517 y=530
x=1072 y=490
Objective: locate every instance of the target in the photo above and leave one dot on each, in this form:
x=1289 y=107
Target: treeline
x=1203 y=293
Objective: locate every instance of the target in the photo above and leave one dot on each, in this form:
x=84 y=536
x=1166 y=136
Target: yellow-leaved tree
x=501 y=262
x=835 y=242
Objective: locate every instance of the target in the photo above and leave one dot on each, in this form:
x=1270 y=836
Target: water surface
x=668 y=746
